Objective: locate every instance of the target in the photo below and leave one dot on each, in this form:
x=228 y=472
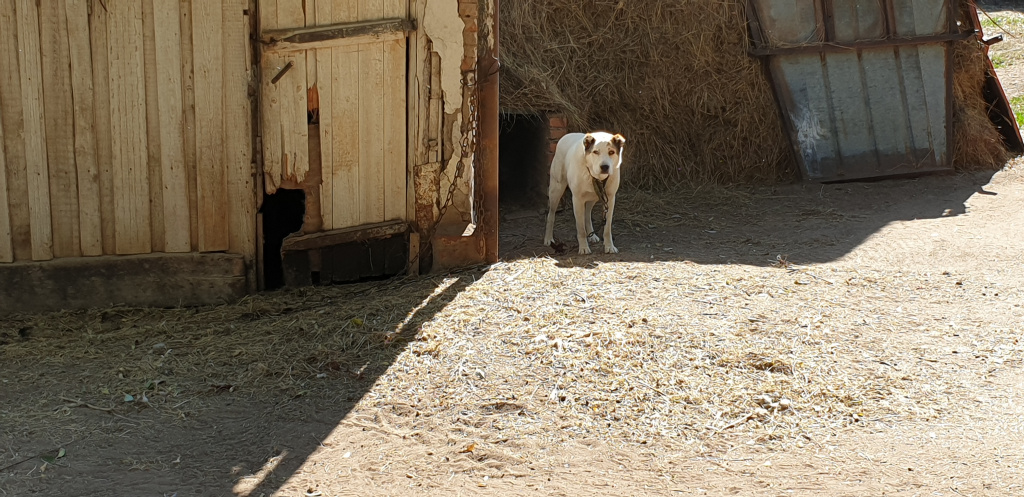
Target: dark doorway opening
x=283 y=212
x=523 y=161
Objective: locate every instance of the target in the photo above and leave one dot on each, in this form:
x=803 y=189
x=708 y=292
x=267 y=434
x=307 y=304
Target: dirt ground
x=889 y=313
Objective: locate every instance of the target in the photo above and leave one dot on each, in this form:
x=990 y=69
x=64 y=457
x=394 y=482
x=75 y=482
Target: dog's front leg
x=579 y=210
x=591 y=232
x=609 y=246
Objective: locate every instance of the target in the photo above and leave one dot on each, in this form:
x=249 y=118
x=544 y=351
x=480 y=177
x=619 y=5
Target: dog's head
x=603 y=152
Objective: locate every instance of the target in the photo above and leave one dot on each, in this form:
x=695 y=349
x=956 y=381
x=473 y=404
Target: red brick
x=557 y=121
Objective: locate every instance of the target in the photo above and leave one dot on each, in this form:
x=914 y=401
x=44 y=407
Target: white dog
x=586 y=163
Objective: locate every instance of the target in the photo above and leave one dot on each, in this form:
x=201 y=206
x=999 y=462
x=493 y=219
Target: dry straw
x=535 y=349
x=676 y=79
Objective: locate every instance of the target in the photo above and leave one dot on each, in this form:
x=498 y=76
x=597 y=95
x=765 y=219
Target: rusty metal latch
x=280 y=73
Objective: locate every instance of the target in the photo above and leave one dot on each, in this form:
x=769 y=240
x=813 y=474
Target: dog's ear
x=618 y=140
x=588 y=142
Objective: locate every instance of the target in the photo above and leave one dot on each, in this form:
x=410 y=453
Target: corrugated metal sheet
x=864 y=85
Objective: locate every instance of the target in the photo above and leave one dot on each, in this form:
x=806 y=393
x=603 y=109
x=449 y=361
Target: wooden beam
x=345 y=235
x=159 y=280
x=335 y=35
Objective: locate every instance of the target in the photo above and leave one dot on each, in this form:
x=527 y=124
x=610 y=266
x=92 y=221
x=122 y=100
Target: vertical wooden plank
x=189 y=121
x=292 y=89
x=83 y=95
x=324 y=63
x=58 y=110
x=238 y=134
x=346 y=142
x=153 y=131
x=30 y=64
x=371 y=123
x=103 y=126
x=11 y=118
x=309 y=15
x=207 y=42
x=169 y=109
x=6 y=245
x=416 y=100
x=128 y=128
x=395 y=117
x=345 y=118
x=396 y=8
x=394 y=130
x=270 y=104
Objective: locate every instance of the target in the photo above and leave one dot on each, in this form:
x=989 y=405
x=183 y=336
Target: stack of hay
x=676 y=79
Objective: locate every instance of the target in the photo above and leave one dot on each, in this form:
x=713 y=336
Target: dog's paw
x=610 y=249
x=584 y=249
x=593 y=238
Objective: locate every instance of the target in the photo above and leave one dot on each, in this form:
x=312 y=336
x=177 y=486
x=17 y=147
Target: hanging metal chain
x=468 y=142
x=602 y=194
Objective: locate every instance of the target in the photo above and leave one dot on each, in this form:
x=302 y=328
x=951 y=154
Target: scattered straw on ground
x=541 y=349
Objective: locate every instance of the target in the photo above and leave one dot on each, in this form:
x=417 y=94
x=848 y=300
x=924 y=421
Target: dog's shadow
x=806 y=223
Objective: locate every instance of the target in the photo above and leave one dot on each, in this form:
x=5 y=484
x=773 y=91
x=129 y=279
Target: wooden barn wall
x=125 y=128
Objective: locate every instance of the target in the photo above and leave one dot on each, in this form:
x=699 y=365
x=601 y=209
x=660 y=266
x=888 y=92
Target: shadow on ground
x=805 y=223
x=243 y=393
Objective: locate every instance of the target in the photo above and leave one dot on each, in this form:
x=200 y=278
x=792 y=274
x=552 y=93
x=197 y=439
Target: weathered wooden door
x=865 y=85
x=333 y=105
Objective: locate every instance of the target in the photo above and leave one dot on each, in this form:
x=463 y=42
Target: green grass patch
x=998 y=61
x=1017 y=106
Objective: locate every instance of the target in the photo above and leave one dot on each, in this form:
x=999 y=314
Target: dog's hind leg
x=591 y=233
x=555 y=192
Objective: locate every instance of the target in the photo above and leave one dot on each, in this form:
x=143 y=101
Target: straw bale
x=977 y=145
x=682 y=65
x=676 y=79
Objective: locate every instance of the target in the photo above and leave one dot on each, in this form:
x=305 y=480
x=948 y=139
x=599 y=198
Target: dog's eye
x=611 y=152
x=595 y=152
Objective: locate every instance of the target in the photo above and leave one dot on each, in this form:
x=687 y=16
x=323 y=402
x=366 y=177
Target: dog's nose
x=604 y=168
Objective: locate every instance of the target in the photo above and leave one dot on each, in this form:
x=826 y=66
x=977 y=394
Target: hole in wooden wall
x=282 y=215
